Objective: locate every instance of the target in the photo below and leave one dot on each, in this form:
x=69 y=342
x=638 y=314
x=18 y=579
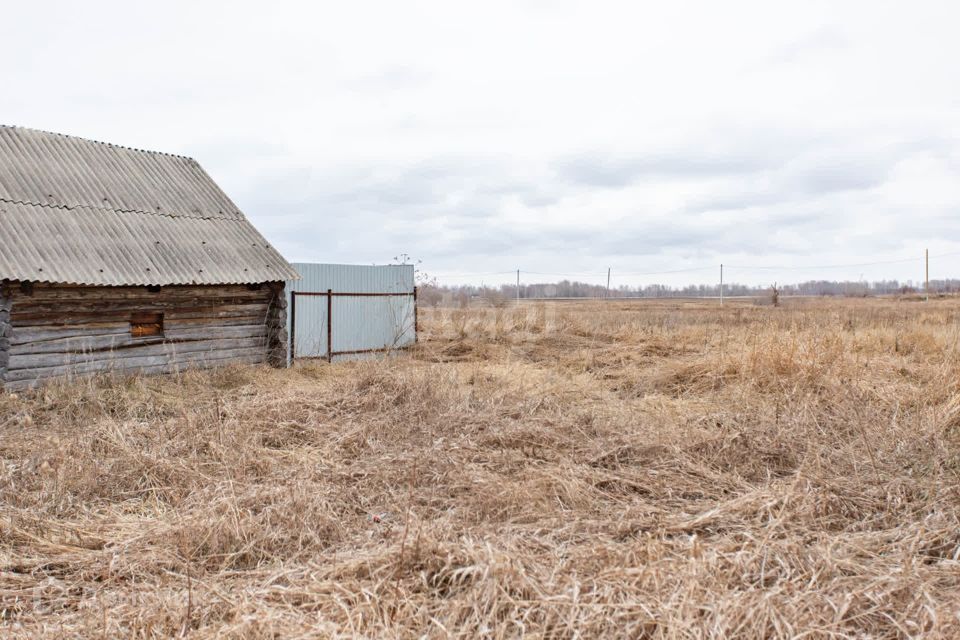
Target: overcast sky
x=556 y=136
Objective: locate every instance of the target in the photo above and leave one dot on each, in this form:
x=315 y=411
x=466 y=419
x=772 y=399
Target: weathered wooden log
x=177 y=367
x=54 y=315
x=136 y=363
x=98 y=294
x=171 y=350
x=43 y=333
x=78 y=341
x=32 y=305
x=42 y=292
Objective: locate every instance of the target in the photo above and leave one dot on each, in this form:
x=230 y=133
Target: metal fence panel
x=360 y=323
x=372 y=323
x=311 y=329
x=353 y=277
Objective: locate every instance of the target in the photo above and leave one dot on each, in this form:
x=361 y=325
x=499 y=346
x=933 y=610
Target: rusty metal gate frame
x=330 y=295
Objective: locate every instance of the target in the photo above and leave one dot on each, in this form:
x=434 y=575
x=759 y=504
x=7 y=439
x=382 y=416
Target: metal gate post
x=329 y=325
x=293 y=326
x=416 y=320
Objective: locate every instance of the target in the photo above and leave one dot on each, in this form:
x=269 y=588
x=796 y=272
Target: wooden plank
x=212 y=363
x=79 y=342
x=258 y=330
x=110 y=313
x=119 y=308
x=217 y=333
x=167 y=350
x=65 y=294
x=258 y=311
x=138 y=363
x=207 y=324
x=36 y=335
x=182 y=364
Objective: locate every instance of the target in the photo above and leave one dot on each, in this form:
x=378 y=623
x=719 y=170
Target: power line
x=617 y=273
x=657 y=273
x=852 y=264
x=946 y=255
x=824 y=266
x=575 y=275
x=467 y=275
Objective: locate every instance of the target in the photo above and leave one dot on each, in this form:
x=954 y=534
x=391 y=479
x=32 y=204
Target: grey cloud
x=740 y=198
x=363 y=214
x=726 y=150
x=813 y=175
x=798 y=186
x=477 y=187
x=833 y=177
x=637 y=237
x=613 y=171
x=637 y=243
x=451 y=210
x=649 y=239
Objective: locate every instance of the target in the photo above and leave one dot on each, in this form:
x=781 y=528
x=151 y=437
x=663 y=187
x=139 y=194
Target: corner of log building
x=277 y=339
x=6 y=302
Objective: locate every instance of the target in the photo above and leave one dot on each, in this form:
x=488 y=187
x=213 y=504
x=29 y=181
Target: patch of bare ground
x=624 y=469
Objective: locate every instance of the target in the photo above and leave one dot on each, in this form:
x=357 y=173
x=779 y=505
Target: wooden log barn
x=116 y=259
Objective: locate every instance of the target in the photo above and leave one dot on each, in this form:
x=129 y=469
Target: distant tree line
x=432 y=293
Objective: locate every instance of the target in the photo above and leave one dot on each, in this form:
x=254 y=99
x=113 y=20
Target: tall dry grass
x=576 y=470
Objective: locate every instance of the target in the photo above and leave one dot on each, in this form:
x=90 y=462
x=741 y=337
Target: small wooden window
x=146 y=325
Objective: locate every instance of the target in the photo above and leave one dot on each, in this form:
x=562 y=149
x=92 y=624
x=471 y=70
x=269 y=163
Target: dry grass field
x=619 y=469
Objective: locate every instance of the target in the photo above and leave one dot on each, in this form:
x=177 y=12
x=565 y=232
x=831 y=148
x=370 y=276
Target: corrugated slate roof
x=83 y=212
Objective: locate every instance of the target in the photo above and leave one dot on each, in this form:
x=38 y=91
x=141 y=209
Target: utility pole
x=721 y=284
x=518 y=286
x=608 y=282
x=927 y=275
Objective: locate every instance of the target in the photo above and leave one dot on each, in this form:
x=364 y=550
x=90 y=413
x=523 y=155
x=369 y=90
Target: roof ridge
x=237 y=217
x=108 y=144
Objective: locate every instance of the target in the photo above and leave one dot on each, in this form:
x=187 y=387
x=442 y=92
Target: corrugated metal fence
x=373 y=309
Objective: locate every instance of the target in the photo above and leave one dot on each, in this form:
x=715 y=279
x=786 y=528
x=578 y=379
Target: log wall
x=5 y=331
x=70 y=331
x=277 y=339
